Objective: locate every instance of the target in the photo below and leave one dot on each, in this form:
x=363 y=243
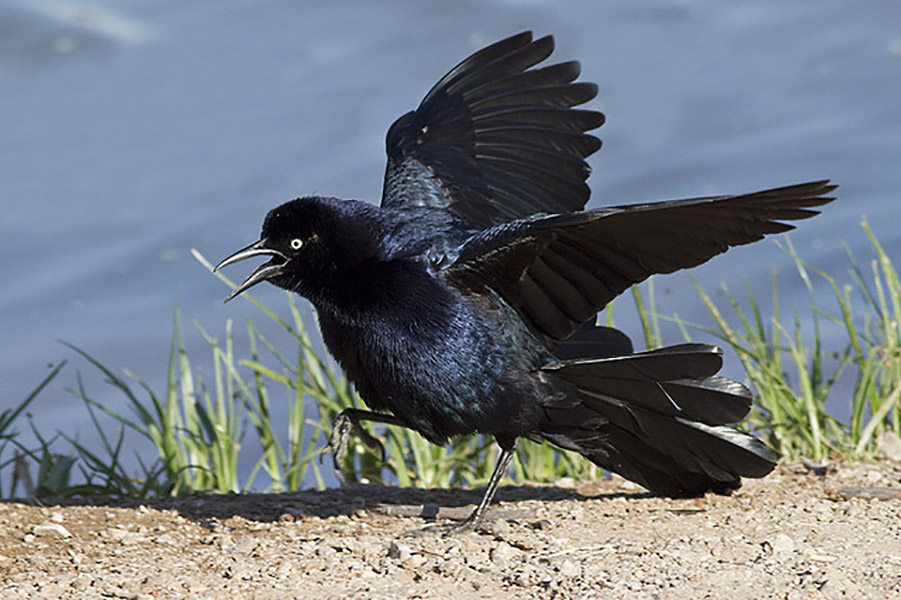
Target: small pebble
x=413 y=562
x=502 y=553
x=399 y=551
x=782 y=545
x=51 y=529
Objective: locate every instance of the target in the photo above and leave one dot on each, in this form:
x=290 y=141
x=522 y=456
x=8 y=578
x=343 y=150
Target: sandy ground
x=792 y=535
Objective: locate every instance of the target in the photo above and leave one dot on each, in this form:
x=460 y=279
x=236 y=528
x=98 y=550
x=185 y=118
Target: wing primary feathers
x=584 y=260
x=497 y=138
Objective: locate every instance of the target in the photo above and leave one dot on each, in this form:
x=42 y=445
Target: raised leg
x=347 y=422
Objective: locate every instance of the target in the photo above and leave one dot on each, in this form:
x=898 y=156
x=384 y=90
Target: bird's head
x=307 y=240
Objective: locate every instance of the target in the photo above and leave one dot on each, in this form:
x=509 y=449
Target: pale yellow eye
x=296 y=243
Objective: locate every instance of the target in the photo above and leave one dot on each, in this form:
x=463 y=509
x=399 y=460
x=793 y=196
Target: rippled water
x=132 y=132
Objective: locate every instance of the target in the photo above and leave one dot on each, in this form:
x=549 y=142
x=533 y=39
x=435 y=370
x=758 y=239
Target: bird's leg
x=503 y=463
x=348 y=421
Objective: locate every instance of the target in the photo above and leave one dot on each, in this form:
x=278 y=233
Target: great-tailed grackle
x=466 y=302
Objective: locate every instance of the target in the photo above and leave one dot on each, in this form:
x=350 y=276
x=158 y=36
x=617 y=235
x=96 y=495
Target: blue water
x=131 y=132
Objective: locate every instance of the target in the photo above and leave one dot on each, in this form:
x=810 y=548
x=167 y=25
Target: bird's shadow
x=452 y=503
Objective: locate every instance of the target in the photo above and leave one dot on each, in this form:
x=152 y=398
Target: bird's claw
x=344 y=425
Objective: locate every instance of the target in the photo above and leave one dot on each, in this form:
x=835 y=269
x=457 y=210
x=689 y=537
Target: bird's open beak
x=262 y=273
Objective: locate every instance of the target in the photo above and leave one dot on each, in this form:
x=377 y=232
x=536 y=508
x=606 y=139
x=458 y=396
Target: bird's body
x=413 y=343
x=466 y=302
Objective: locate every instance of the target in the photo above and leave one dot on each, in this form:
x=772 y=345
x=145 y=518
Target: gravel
x=791 y=535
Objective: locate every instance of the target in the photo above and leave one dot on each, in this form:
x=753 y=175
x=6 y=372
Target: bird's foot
x=471 y=523
x=449 y=529
x=346 y=423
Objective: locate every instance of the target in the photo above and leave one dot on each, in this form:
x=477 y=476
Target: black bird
x=466 y=302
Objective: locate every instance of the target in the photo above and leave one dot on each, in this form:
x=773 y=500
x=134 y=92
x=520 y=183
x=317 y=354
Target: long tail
x=658 y=418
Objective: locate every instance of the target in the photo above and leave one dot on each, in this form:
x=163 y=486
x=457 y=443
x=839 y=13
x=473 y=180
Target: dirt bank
x=791 y=535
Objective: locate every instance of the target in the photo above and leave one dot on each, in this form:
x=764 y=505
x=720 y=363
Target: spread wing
x=558 y=271
x=496 y=140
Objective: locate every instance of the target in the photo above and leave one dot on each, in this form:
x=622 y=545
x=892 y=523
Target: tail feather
x=658 y=418
x=595 y=341
x=678 y=381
